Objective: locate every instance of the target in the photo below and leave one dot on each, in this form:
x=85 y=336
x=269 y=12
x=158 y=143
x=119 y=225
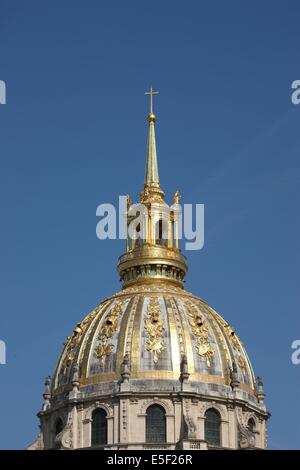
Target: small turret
x=234 y=383
x=75 y=377
x=125 y=369
x=260 y=390
x=47 y=393
x=184 y=374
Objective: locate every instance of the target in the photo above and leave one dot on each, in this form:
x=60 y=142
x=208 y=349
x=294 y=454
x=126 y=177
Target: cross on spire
x=151 y=93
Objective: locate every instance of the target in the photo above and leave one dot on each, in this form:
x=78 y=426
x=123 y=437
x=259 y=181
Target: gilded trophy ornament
x=154 y=329
x=107 y=331
x=177 y=197
x=73 y=341
x=200 y=332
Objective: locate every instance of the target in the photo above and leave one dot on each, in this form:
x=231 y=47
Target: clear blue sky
x=73 y=135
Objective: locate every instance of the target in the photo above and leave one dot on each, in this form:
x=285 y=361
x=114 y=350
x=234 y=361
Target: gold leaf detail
x=154 y=329
x=68 y=359
x=200 y=331
x=103 y=350
x=242 y=364
x=232 y=337
x=73 y=341
x=107 y=331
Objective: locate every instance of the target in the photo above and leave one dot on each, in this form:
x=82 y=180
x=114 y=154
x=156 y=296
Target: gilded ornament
x=152 y=196
x=177 y=197
x=67 y=362
x=73 y=341
x=103 y=350
x=107 y=331
x=242 y=364
x=154 y=329
x=233 y=337
x=200 y=331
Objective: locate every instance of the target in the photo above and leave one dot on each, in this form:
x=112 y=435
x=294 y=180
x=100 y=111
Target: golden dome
x=155 y=325
x=153 y=346
x=153 y=330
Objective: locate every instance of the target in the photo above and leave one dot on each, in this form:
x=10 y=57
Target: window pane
x=251 y=425
x=212 y=427
x=99 y=428
x=155 y=424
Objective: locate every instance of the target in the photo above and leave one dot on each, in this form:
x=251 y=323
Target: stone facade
x=126 y=418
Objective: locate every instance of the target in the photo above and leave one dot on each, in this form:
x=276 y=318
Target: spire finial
x=151 y=175
x=151 y=93
x=152 y=238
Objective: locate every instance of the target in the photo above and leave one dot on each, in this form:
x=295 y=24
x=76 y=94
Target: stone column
x=79 y=424
x=170 y=234
x=232 y=425
x=149 y=229
x=200 y=431
x=261 y=436
x=116 y=423
x=178 y=420
x=224 y=433
x=87 y=432
x=123 y=420
x=176 y=234
x=170 y=422
x=110 y=429
x=127 y=238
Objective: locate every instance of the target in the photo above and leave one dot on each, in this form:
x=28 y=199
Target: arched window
x=58 y=426
x=212 y=427
x=251 y=425
x=155 y=424
x=99 y=427
x=161 y=232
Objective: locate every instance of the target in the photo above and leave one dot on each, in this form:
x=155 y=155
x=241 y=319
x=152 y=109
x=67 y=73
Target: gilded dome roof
x=153 y=357
x=155 y=325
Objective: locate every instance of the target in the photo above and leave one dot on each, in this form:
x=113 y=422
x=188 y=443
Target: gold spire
x=151 y=173
x=152 y=245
